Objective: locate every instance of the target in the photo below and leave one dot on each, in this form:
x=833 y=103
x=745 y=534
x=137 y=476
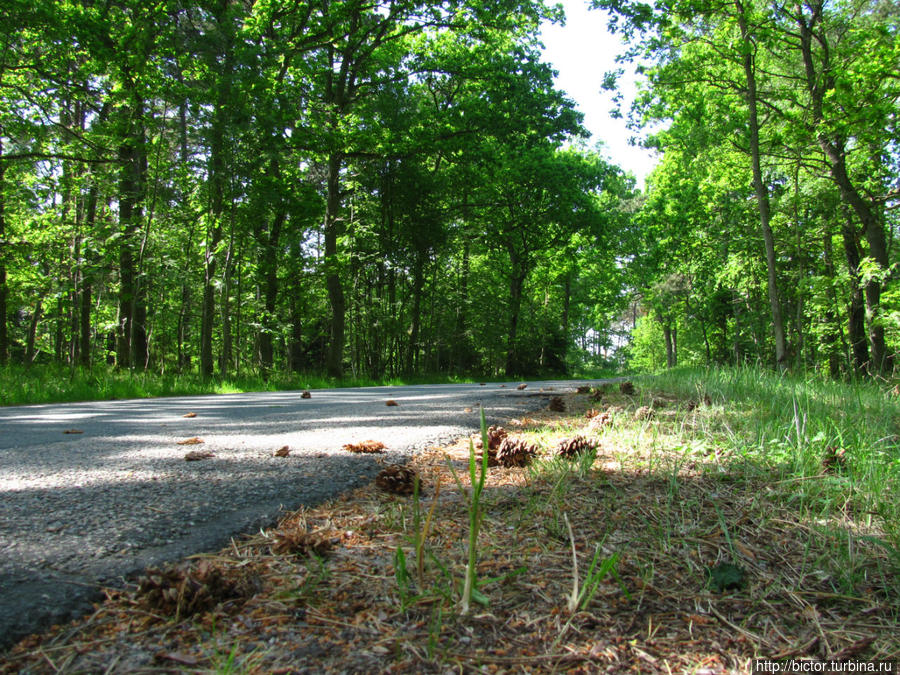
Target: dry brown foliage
x=197 y=455
x=365 y=447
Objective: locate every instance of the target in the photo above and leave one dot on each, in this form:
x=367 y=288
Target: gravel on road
x=93 y=493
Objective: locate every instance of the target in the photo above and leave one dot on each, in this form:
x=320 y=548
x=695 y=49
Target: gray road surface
x=82 y=510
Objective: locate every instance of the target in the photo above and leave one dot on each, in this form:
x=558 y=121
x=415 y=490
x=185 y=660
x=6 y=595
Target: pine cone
x=305 y=394
x=627 y=388
x=557 y=404
x=599 y=421
x=397 y=479
x=572 y=447
x=644 y=413
x=495 y=438
x=515 y=452
x=303 y=543
x=187 y=589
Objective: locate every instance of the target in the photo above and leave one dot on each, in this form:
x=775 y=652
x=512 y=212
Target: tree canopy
x=338 y=186
x=331 y=185
x=778 y=186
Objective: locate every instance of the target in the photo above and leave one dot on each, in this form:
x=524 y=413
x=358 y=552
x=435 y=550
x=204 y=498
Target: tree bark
x=415 y=325
x=131 y=348
x=333 y=226
x=762 y=192
x=832 y=335
x=856 y=315
x=227 y=345
x=269 y=267
x=516 y=285
x=217 y=167
x=86 y=299
x=4 y=335
x=32 y=332
x=834 y=148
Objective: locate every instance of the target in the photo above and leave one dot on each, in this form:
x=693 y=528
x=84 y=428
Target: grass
x=604 y=562
x=54 y=384
x=60 y=384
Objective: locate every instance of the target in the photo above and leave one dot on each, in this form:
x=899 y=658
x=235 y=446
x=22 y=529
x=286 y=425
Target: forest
x=382 y=188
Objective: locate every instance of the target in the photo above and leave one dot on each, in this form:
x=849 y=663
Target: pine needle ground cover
x=747 y=517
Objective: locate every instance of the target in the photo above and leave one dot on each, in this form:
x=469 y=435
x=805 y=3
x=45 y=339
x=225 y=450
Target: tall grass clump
x=836 y=443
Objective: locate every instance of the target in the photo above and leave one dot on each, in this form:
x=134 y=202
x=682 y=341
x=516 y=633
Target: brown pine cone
x=515 y=452
x=397 y=479
x=572 y=447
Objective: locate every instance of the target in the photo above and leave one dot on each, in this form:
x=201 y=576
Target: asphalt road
x=92 y=493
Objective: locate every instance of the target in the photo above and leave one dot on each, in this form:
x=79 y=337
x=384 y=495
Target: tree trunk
x=268 y=266
x=856 y=315
x=762 y=192
x=217 y=182
x=335 y=356
x=832 y=334
x=4 y=335
x=834 y=148
x=227 y=346
x=295 y=350
x=216 y=210
x=670 y=345
x=86 y=299
x=416 y=315
x=32 y=332
x=462 y=352
x=516 y=286
x=130 y=214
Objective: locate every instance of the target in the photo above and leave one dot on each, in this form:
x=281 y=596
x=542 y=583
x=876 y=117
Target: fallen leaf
x=190 y=414
x=365 y=446
x=197 y=455
x=73 y=431
x=744 y=550
x=391 y=402
x=191 y=441
x=283 y=451
x=467 y=410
